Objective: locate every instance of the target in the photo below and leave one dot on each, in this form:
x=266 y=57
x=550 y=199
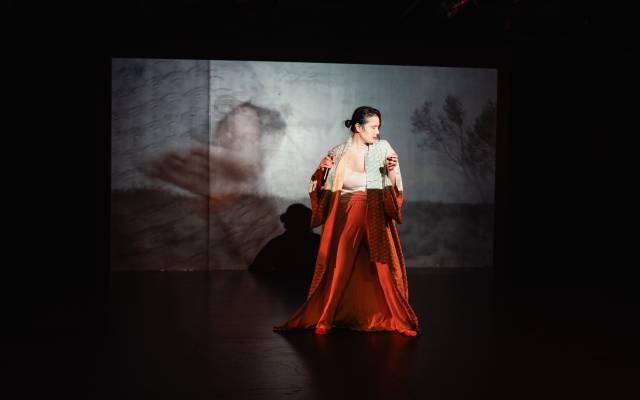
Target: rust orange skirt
x=354 y=293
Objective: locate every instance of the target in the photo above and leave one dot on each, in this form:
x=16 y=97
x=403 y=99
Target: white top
x=354 y=181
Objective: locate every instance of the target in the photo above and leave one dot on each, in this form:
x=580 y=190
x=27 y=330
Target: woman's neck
x=358 y=143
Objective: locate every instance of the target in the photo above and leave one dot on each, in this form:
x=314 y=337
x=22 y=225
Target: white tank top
x=354 y=181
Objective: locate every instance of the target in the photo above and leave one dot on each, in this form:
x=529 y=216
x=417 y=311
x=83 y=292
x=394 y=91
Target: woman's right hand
x=326 y=162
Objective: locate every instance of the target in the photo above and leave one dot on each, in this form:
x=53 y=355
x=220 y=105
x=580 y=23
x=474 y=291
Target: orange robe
x=359 y=280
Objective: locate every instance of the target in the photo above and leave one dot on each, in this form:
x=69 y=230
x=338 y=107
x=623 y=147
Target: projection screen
x=207 y=154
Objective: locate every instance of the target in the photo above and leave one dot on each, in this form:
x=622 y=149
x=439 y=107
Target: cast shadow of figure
x=289 y=259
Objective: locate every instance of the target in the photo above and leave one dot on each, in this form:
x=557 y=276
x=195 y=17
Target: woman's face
x=370 y=130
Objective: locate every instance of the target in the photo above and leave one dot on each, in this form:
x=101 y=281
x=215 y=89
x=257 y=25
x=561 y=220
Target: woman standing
x=359 y=279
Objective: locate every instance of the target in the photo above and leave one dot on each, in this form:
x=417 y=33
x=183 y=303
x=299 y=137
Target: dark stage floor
x=191 y=335
x=208 y=335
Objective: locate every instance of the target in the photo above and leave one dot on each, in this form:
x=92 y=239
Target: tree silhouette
x=472 y=149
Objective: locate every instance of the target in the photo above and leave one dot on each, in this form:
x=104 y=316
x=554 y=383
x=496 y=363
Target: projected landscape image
x=208 y=154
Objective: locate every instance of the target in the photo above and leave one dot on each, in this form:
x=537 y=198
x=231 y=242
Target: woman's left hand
x=391 y=161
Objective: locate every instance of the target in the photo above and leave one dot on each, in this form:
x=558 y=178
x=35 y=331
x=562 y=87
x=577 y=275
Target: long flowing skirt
x=354 y=293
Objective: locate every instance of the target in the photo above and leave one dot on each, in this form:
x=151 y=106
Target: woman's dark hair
x=361 y=115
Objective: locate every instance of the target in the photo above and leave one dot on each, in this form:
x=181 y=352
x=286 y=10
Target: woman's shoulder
x=335 y=149
x=338 y=146
x=383 y=143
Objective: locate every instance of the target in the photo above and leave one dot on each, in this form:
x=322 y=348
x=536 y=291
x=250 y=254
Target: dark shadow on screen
x=288 y=260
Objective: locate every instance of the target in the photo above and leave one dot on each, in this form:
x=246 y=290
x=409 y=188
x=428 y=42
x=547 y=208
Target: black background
x=565 y=154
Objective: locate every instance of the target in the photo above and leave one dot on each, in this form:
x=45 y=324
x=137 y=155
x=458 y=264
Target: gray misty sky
x=314 y=99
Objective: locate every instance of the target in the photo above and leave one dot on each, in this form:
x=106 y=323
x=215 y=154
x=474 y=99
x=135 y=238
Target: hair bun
x=347 y=123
